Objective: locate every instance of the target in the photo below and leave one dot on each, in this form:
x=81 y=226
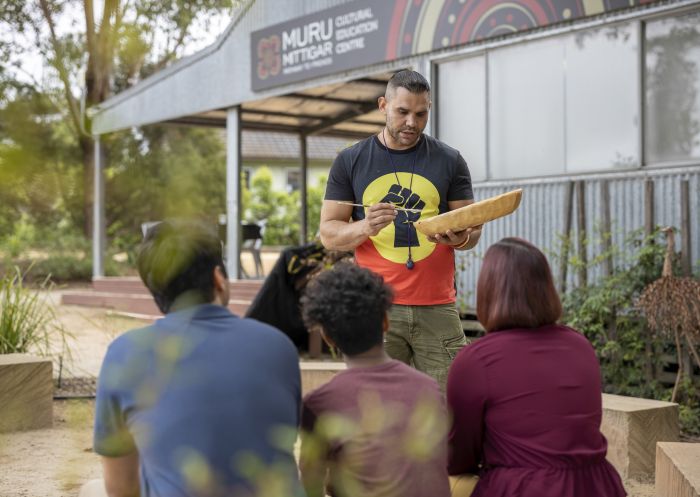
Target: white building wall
x=279 y=174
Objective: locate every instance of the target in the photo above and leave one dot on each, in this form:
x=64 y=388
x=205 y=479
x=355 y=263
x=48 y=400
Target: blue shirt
x=210 y=401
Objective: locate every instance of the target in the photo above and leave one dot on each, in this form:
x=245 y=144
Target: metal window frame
x=641 y=17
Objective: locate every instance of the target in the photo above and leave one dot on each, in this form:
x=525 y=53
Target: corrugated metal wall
x=542 y=214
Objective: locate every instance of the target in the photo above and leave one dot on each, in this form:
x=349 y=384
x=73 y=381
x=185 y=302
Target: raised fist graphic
x=403 y=224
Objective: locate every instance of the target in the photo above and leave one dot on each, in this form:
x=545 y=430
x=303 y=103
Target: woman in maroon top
x=526 y=398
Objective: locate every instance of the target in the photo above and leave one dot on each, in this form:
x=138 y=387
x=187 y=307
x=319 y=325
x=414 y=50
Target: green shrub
x=29 y=235
x=64 y=268
x=630 y=355
x=689 y=409
x=22 y=236
x=605 y=312
x=314 y=196
x=281 y=210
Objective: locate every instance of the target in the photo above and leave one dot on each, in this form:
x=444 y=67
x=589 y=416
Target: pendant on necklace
x=409 y=264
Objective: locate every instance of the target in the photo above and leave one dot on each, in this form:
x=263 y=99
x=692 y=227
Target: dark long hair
x=515 y=287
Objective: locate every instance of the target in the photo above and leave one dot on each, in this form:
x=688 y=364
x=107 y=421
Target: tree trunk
x=649 y=366
x=679 y=351
x=97 y=91
x=87 y=147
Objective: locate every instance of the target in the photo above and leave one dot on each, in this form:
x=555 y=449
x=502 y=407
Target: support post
x=568 y=216
x=606 y=228
x=233 y=192
x=304 y=228
x=685 y=228
x=426 y=68
x=650 y=369
x=648 y=207
x=98 y=214
x=606 y=237
x=581 y=223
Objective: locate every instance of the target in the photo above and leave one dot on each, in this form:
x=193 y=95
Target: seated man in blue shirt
x=201 y=403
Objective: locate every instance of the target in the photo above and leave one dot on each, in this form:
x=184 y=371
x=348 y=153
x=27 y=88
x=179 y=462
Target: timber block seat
x=677 y=469
x=632 y=427
x=317 y=373
x=26 y=392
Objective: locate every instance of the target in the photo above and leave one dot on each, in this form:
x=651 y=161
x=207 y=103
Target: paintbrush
x=364 y=205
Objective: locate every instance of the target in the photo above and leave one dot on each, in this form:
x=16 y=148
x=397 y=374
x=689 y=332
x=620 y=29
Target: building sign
x=332 y=40
x=365 y=32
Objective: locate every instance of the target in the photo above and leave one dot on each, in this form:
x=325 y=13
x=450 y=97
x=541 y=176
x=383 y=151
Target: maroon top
x=527 y=406
x=398 y=443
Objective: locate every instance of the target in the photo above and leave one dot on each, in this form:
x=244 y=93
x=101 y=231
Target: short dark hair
x=515 y=287
x=349 y=303
x=411 y=80
x=177 y=256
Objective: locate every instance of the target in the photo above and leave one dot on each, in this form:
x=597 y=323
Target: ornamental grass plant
x=28 y=322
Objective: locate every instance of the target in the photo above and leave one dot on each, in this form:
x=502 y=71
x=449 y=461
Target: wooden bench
x=677 y=469
x=633 y=426
x=26 y=392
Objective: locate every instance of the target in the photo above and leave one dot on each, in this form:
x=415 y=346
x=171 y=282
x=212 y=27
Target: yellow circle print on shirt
x=425 y=196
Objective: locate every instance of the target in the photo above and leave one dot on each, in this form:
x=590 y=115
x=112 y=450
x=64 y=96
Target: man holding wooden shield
x=396 y=178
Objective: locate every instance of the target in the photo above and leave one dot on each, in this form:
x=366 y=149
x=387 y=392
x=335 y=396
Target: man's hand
x=339 y=233
x=378 y=217
x=461 y=240
x=456 y=239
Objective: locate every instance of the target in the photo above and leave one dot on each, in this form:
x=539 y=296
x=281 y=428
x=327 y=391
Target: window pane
x=526 y=100
x=462 y=111
x=602 y=99
x=293 y=180
x=246 y=178
x=672 y=88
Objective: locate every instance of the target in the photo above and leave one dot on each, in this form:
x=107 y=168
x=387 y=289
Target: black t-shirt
x=360 y=165
x=424 y=177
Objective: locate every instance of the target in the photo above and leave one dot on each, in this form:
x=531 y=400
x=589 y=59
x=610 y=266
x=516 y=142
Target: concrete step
x=240 y=289
x=134 y=304
x=119 y=285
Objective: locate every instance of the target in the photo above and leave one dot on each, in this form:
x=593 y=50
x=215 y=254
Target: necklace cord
x=409 y=261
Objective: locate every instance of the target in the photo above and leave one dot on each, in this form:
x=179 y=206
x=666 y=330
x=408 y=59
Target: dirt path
x=55 y=462
x=90 y=330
